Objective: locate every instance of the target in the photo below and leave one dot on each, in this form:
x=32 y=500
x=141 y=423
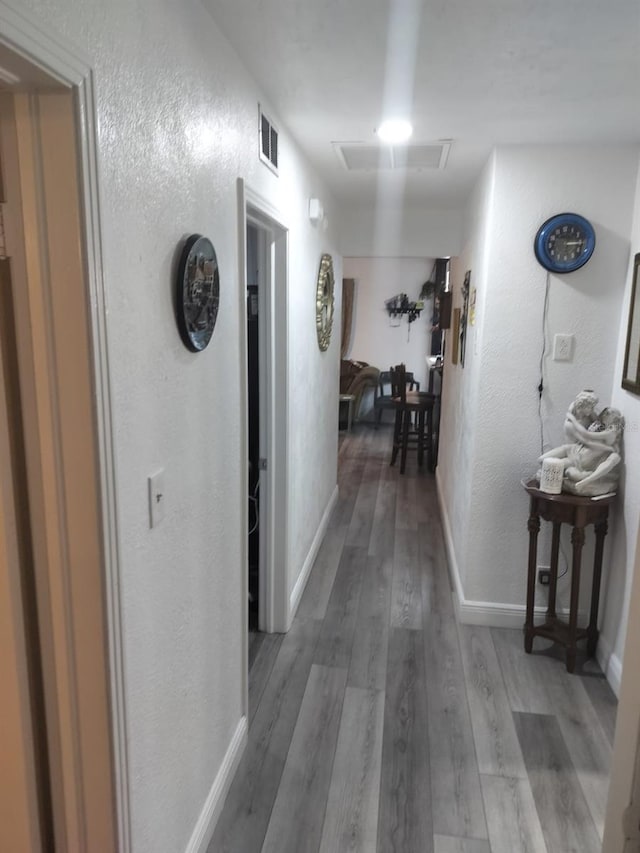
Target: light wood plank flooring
x=380 y=725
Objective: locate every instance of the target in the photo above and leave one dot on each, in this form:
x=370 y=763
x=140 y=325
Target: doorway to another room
x=255 y=241
x=263 y=252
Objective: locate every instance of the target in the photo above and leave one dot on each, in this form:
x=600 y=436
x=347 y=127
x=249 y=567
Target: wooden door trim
x=67 y=65
x=20 y=805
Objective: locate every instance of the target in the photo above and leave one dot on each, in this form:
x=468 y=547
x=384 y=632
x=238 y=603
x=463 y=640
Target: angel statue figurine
x=592 y=455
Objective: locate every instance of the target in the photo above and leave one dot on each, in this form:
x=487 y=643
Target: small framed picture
x=455 y=343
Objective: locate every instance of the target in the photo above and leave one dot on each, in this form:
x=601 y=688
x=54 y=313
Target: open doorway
x=255 y=336
x=263 y=243
x=264 y=262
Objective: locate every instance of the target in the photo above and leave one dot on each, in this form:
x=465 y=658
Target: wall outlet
x=544 y=577
x=562 y=347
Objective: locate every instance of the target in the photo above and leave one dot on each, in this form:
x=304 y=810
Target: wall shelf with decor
x=401 y=306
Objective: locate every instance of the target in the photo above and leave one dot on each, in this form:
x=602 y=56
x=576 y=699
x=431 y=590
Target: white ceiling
x=478 y=72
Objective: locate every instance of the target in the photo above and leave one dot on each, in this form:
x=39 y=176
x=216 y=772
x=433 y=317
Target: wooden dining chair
x=383 y=399
x=411 y=406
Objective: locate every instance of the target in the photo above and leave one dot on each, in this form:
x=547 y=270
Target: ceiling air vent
x=360 y=157
x=268 y=141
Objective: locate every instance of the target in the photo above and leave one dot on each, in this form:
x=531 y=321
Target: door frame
x=274 y=609
x=23 y=825
x=67 y=65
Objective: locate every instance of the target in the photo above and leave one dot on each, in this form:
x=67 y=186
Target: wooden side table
x=579 y=512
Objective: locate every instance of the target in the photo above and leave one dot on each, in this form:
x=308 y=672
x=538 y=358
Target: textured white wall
x=177 y=123
x=498 y=441
x=373 y=338
x=388 y=231
x=460 y=387
x=624 y=531
x=314 y=378
x=530 y=185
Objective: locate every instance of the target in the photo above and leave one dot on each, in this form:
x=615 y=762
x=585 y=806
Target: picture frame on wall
x=455 y=343
x=631 y=370
x=466 y=286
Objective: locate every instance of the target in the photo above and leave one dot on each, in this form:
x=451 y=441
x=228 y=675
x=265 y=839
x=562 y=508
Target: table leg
x=553 y=581
x=533 y=526
x=397 y=431
x=420 y=416
x=406 y=423
x=430 y=461
x=592 y=630
x=577 y=541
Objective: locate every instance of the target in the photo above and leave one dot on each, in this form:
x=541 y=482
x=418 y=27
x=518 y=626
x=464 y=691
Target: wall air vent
x=362 y=157
x=268 y=141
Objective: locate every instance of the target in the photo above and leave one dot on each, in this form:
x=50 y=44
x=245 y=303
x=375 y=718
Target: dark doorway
x=253 y=390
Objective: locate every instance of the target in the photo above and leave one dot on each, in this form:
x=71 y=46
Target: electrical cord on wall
x=254 y=499
x=545 y=312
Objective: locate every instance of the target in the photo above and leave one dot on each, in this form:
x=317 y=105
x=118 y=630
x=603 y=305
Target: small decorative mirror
x=631 y=372
x=325 y=302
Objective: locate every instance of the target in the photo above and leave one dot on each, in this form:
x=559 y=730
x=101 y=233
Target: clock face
x=564 y=243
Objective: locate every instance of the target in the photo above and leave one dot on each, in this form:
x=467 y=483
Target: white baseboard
x=468 y=612
x=474 y=612
x=452 y=563
x=303 y=577
x=490 y=615
x=206 y=823
x=610 y=664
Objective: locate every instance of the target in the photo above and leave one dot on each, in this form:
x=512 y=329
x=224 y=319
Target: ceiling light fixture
x=394 y=131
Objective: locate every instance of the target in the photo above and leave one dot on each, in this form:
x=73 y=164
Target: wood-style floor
x=379 y=724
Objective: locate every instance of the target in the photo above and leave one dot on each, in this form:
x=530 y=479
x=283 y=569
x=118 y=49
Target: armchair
x=355 y=378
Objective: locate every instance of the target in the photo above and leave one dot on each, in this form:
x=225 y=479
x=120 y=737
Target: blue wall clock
x=564 y=243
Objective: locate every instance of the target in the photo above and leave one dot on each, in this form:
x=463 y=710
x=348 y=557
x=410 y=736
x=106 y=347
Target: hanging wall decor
x=198 y=292
x=325 y=302
x=400 y=305
x=631 y=372
x=464 y=316
x=455 y=346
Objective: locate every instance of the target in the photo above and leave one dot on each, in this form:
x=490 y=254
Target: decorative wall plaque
x=198 y=292
x=325 y=302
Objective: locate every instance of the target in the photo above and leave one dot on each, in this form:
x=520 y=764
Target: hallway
x=380 y=724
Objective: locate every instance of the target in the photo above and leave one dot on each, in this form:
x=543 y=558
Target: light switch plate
x=562 y=347
x=157 y=498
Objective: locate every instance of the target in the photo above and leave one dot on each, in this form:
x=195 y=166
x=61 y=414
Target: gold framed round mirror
x=325 y=302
